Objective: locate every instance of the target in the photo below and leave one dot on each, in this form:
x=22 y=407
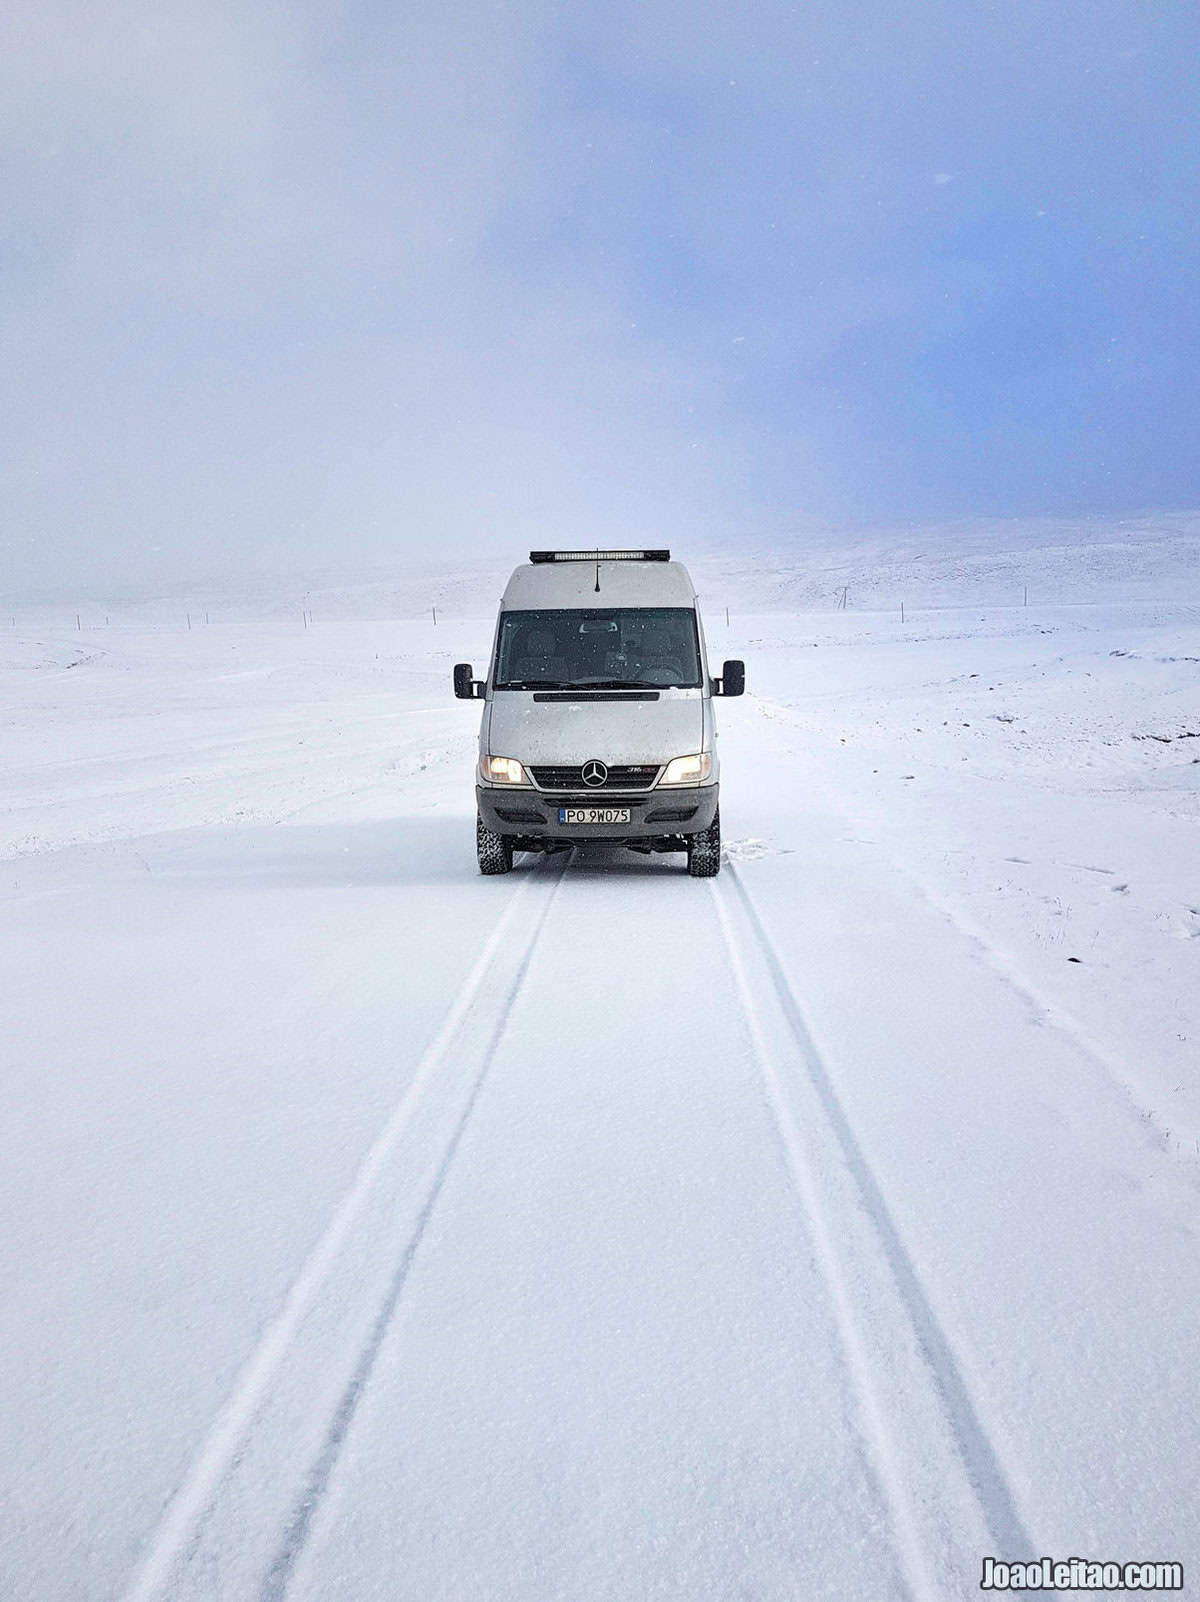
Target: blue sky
x=324 y=286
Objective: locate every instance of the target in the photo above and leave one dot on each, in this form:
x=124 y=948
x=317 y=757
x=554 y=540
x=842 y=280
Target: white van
x=598 y=722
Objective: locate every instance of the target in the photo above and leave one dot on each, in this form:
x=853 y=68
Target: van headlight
x=501 y=770
x=688 y=769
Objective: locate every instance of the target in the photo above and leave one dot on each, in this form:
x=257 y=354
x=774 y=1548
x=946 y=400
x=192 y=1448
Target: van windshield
x=624 y=647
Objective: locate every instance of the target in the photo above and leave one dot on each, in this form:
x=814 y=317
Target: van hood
x=566 y=732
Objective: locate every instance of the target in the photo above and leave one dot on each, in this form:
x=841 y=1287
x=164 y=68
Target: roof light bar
x=599 y=556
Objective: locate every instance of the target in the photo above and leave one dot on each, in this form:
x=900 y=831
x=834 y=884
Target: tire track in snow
x=183 y=1557
x=278 y=1577
x=936 y=1468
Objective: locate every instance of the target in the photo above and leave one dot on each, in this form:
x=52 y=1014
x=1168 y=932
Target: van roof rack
x=599 y=556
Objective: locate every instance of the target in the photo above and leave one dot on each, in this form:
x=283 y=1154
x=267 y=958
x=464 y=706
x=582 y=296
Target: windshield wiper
x=585 y=684
x=618 y=684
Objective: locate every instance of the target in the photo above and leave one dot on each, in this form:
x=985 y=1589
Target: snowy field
x=373 y=1230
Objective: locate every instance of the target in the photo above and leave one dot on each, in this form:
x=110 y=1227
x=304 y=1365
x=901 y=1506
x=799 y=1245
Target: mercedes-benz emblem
x=594 y=773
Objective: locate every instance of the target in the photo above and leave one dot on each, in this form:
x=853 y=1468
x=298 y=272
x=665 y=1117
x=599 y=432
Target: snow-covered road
x=373 y=1230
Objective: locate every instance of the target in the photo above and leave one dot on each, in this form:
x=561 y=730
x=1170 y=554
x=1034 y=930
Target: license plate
x=593 y=814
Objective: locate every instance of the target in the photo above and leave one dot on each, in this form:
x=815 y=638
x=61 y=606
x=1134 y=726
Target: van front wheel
x=704 y=850
x=494 y=851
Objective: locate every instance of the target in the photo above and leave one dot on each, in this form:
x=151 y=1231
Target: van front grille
x=619 y=778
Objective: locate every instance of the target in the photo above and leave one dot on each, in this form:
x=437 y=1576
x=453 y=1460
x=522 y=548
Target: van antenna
x=597 y=578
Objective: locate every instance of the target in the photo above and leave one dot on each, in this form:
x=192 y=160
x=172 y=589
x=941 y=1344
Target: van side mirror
x=466 y=686
x=733 y=679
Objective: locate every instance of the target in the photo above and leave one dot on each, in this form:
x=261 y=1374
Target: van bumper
x=653 y=814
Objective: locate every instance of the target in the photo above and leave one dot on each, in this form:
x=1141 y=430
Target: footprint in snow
x=750 y=850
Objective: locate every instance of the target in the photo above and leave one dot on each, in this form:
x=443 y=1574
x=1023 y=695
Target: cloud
x=332 y=285
x=256 y=322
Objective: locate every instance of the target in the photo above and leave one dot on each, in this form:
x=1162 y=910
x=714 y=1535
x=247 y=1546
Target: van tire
x=704 y=850
x=495 y=851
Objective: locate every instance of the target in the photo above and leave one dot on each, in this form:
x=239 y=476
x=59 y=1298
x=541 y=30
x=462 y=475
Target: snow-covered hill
x=376 y=1230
